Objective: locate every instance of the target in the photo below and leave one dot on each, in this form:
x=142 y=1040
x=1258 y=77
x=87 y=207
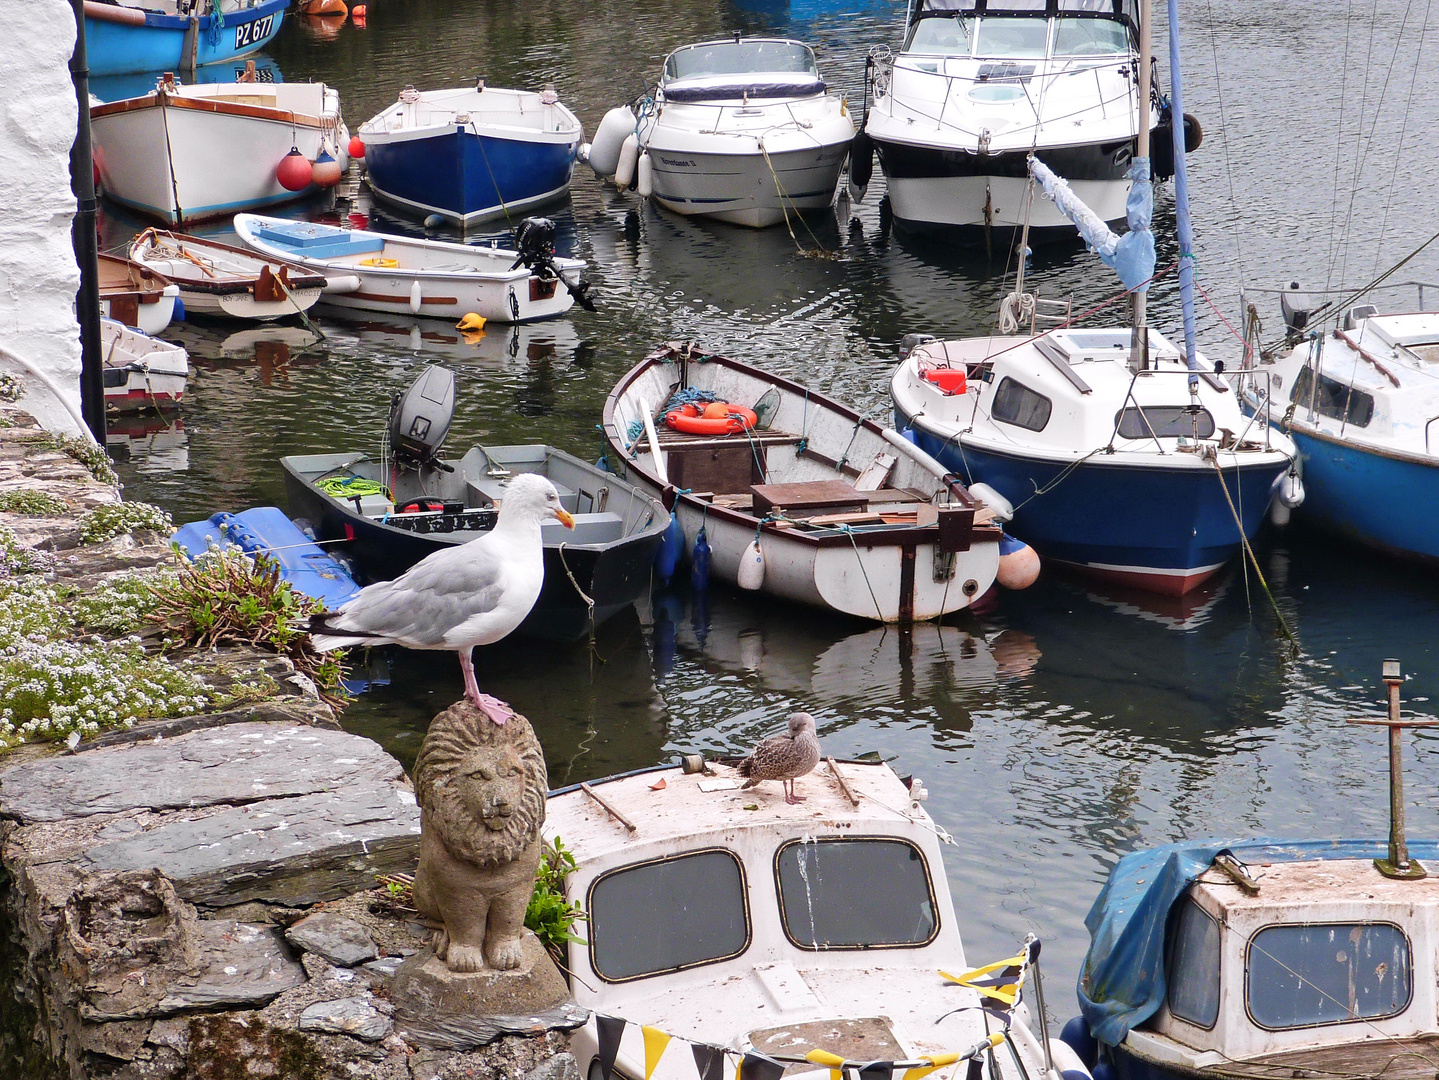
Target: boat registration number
x=251 y=33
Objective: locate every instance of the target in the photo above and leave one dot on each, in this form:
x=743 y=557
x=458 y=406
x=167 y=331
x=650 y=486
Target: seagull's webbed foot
x=492 y=707
x=791 y=796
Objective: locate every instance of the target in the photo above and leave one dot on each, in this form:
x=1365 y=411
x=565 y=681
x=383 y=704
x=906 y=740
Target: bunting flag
x=999 y=981
x=754 y=1066
x=655 y=1043
x=608 y=1031
x=709 y=1061
x=936 y=1061
x=824 y=1057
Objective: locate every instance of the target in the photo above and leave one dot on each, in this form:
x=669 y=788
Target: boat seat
x=600 y=528
x=311 y=243
x=489 y=490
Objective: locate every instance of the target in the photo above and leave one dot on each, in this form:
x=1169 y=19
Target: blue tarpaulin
x=1122 y=981
x=1131 y=255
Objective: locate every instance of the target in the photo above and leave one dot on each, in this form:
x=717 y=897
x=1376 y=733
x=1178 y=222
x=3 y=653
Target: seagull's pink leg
x=789 y=793
x=492 y=707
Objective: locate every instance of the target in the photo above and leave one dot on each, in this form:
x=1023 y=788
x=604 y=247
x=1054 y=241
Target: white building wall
x=38 y=274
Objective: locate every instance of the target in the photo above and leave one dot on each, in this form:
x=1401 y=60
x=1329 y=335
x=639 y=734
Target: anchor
x=1398 y=864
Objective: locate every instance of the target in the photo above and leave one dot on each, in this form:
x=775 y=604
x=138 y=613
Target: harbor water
x=1069 y=725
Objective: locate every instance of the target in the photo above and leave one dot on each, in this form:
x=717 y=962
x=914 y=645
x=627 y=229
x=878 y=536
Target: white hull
x=151 y=318
x=997 y=201
x=747 y=188
x=188 y=158
x=141 y=372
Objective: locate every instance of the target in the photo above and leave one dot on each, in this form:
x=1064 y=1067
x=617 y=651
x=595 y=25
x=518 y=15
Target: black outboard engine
x=420 y=418
x=910 y=342
x=1296 y=307
x=535 y=246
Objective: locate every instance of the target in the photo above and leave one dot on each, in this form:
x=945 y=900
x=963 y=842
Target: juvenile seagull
x=784 y=757
x=471 y=594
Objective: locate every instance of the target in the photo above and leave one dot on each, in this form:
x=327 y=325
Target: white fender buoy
x=1279 y=514
x=1291 y=491
x=645 y=181
x=604 y=152
x=415 y=297
x=582 y=153
x=751 y=568
x=1003 y=509
x=629 y=158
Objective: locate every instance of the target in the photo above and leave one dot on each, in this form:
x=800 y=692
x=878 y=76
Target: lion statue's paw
x=465 y=958
x=505 y=955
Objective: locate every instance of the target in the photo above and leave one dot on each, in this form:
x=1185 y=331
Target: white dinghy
x=744 y=131
x=798 y=495
x=141 y=372
x=373 y=271
x=217 y=279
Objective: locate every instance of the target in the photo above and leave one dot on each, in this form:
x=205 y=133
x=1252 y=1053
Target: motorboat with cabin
x=979 y=85
x=176 y=35
x=1121 y=472
x=1260 y=958
x=1360 y=399
x=799 y=496
x=743 y=130
x=471 y=154
x=387 y=511
x=726 y=927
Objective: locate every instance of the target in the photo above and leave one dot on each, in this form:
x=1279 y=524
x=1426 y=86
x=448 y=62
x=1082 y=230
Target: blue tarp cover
x=1131 y=255
x=1122 y=981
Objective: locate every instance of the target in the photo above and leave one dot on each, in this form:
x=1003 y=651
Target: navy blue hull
x=1161 y=529
x=467 y=178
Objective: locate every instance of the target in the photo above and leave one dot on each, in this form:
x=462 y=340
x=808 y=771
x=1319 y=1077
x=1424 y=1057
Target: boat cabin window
x=940 y=36
x=742 y=57
x=1090 y=37
x=1300 y=976
x=1194 y=966
x=1021 y=37
x=1333 y=398
x=1017 y=404
x=855 y=894
x=666 y=915
x=1164 y=422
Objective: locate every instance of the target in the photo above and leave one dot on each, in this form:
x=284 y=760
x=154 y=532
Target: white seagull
x=471 y=594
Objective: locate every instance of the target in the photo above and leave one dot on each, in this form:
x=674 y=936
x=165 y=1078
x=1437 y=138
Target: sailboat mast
x=1139 y=344
x=1181 y=196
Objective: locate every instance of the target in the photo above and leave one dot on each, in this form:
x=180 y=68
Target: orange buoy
x=326 y=171
x=357 y=147
x=716 y=418
x=294 y=171
x=323 y=7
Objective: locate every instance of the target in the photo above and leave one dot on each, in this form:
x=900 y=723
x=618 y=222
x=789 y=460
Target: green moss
x=10 y=387
x=34 y=502
x=116 y=519
x=224 y=1048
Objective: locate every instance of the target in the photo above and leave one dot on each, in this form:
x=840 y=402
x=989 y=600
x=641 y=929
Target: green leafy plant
x=34 y=502
x=16 y=558
x=10 y=387
x=550 y=915
x=116 y=519
x=123 y=604
x=226 y=597
x=89 y=454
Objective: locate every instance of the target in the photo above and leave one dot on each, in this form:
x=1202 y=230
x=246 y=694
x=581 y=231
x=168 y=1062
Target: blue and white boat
x=176 y=35
x=1361 y=402
x=471 y=155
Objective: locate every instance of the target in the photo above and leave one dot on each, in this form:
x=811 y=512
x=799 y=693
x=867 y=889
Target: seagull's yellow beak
x=564 y=517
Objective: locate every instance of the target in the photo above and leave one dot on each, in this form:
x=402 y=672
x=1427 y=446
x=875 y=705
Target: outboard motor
x=420 y=418
x=910 y=342
x=535 y=246
x=1296 y=307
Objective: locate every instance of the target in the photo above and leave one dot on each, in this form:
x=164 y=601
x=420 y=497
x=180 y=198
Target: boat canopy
x=1124 y=10
x=1123 y=980
x=747 y=67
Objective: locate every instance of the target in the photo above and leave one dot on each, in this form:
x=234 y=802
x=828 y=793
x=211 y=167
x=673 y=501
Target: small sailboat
x=176 y=35
x=744 y=131
x=141 y=372
x=1114 y=450
x=471 y=155
x=135 y=294
x=403 y=276
x=220 y=280
x=187 y=153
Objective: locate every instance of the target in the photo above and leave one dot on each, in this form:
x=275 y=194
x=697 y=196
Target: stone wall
x=38 y=274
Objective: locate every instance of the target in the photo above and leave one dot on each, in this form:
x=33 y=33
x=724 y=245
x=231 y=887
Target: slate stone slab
x=339 y=940
x=356 y=1016
x=295 y=852
x=230 y=765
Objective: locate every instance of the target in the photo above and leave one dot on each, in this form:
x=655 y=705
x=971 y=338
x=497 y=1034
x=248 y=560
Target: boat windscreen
x=741 y=58
x=1090 y=37
x=855 y=893
x=1020 y=37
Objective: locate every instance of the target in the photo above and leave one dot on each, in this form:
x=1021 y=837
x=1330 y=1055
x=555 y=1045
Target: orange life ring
x=716 y=418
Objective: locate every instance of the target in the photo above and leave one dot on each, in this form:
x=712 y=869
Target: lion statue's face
x=492 y=785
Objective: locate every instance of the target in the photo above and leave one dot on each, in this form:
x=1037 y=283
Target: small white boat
x=217 y=279
x=471 y=155
x=141 y=372
x=786 y=940
x=185 y=153
x=134 y=294
x=745 y=131
x=380 y=272
x=811 y=502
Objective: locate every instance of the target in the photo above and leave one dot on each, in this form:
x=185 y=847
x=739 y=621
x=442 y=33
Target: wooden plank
x=873 y=476
x=811 y=495
x=1393 y=1059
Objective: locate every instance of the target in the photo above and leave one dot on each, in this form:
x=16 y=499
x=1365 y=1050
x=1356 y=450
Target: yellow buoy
x=470 y=321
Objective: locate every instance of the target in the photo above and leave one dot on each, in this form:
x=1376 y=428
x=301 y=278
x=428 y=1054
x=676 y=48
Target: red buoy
x=326 y=171
x=294 y=171
x=357 y=147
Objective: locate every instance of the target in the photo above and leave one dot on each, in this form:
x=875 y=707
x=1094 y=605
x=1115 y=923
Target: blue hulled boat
x=471 y=154
x=173 y=36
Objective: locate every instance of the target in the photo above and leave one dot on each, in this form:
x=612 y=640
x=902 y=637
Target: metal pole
x=1139 y=343
x=1398 y=849
x=82 y=235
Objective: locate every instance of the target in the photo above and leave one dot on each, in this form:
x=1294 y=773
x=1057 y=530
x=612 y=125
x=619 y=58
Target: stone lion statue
x=481 y=789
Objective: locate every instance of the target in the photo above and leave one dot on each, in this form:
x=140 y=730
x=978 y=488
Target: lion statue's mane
x=453 y=736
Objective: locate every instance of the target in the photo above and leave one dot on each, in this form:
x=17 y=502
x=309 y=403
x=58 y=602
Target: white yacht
x=741 y=130
x=980 y=84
